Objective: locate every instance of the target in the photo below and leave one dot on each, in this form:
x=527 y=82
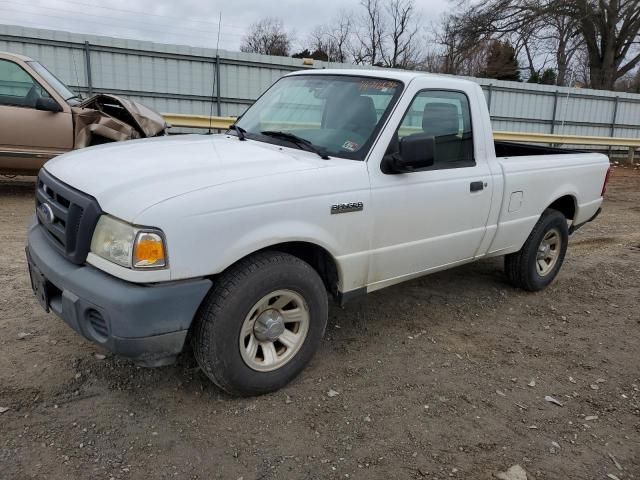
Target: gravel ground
x=441 y=377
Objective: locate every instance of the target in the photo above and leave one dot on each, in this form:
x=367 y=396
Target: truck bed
x=512 y=149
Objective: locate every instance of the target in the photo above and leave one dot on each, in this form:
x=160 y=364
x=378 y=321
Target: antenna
x=215 y=72
x=75 y=68
x=566 y=102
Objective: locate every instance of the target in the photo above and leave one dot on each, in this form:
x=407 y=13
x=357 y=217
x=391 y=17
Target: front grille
x=68 y=215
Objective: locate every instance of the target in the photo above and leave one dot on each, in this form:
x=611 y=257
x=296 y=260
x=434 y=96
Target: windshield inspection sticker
x=350 y=146
x=377 y=85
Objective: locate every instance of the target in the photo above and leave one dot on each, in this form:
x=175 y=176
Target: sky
x=187 y=22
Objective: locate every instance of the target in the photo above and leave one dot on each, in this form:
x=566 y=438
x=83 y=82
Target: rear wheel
x=539 y=260
x=260 y=324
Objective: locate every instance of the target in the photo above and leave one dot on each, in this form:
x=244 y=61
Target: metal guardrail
x=198 y=121
x=567 y=139
x=222 y=123
x=630 y=143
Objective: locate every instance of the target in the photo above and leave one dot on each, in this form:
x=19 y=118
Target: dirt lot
x=443 y=377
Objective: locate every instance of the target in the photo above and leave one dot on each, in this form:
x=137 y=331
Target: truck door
x=436 y=216
x=28 y=137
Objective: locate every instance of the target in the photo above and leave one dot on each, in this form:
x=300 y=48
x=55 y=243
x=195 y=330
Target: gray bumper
x=148 y=323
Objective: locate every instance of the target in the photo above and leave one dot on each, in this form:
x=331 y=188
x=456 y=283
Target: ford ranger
x=334 y=183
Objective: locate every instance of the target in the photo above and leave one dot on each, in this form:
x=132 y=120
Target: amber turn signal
x=149 y=251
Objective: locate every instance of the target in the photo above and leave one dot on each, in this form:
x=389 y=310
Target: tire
x=228 y=341
x=524 y=268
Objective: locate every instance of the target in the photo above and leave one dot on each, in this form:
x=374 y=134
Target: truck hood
x=129 y=177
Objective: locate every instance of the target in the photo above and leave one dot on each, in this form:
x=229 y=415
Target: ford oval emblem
x=46 y=213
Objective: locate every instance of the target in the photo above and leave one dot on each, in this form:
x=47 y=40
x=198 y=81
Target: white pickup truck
x=334 y=183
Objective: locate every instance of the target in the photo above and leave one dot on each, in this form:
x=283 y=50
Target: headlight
x=127 y=245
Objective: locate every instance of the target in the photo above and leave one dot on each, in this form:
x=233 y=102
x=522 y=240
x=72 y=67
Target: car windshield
x=52 y=80
x=339 y=115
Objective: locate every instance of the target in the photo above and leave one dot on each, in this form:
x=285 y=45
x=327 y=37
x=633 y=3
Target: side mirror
x=415 y=152
x=47 y=104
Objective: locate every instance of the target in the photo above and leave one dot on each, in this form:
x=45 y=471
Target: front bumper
x=147 y=323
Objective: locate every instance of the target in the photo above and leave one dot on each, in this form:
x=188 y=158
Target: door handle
x=476 y=186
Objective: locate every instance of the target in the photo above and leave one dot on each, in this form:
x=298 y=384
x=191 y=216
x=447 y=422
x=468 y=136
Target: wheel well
x=565 y=205
x=319 y=258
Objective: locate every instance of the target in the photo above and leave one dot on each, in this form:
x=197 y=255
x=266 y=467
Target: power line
x=118 y=20
x=187 y=36
x=140 y=36
x=172 y=18
x=238 y=27
x=129 y=36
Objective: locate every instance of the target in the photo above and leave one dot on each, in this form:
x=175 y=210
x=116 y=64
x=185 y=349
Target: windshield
x=337 y=114
x=51 y=79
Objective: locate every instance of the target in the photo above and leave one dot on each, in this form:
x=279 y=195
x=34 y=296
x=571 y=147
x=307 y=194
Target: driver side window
x=17 y=87
x=445 y=116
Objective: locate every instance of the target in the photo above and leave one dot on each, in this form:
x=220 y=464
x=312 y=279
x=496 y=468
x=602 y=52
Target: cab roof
x=401 y=75
x=15 y=56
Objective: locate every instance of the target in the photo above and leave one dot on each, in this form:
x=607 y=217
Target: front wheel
x=260 y=324
x=539 y=260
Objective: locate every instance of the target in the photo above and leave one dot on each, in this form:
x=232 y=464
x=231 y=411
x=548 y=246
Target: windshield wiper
x=78 y=97
x=298 y=141
x=241 y=131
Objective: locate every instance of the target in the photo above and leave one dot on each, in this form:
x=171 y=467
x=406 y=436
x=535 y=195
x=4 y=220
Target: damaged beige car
x=40 y=117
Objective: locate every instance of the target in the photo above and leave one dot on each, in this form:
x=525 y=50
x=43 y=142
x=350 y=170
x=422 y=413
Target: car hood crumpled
x=107 y=118
x=129 y=177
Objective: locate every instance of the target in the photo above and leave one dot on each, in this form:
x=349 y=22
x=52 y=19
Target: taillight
x=606 y=181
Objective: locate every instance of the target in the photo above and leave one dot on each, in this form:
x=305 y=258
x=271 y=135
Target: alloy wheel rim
x=548 y=252
x=274 y=330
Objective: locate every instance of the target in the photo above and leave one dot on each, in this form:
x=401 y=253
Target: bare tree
x=464 y=51
x=609 y=30
x=369 y=36
x=402 y=51
x=565 y=44
x=611 y=34
x=340 y=36
x=319 y=41
x=526 y=44
x=382 y=34
x=478 y=25
x=629 y=83
x=333 y=39
x=455 y=51
x=268 y=37
x=432 y=61
x=579 y=74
